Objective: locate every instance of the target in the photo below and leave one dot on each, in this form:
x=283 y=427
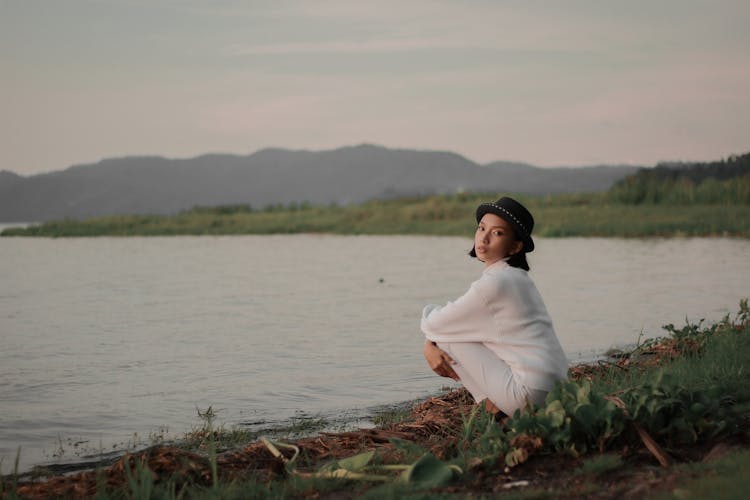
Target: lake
x=108 y=342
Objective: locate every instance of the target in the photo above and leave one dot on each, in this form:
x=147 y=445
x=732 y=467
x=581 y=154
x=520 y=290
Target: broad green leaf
x=698 y=408
x=582 y=395
x=556 y=413
x=427 y=472
x=347 y=474
x=586 y=415
x=357 y=462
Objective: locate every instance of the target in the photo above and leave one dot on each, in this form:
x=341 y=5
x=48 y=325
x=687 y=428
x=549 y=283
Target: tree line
x=720 y=182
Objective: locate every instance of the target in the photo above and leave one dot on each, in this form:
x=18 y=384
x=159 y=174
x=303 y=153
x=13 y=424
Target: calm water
x=104 y=341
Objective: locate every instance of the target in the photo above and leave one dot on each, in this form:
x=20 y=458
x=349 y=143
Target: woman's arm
x=467 y=319
x=439 y=360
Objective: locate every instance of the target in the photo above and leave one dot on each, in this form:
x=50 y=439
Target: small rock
x=515 y=484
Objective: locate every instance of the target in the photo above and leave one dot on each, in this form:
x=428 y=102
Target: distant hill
x=8 y=178
x=534 y=180
x=157 y=185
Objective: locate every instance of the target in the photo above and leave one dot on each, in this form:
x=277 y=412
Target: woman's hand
x=439 y=360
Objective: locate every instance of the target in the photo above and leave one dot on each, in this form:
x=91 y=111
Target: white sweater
x=504 y=311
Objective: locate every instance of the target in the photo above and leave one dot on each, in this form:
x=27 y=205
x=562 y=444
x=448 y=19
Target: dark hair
x=515 y=260
x=519 y=260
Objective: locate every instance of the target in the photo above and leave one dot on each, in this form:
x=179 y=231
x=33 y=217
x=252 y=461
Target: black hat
x=513 y=213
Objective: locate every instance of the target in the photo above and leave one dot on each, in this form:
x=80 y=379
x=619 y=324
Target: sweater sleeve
x=467 y=319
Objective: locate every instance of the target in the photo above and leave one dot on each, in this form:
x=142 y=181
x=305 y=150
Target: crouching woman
x=497 y=339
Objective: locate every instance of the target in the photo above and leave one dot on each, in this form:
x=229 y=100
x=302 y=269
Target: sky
x=573 y=82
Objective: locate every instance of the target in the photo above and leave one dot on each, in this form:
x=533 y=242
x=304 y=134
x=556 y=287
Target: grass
x=224 y=438
x=705 y=359
x=599 y=465
x=301 y=425
x=556 y=216
x=391 y=415
x=726 y=478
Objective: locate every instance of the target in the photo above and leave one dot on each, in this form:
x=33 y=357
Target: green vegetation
x=718 y=183
x=562 y=215
x=224 y=438
x=682 y=401
x=726 y=478
x=392 y=415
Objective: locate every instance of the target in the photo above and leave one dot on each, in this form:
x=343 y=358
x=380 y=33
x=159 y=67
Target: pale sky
x=572 y=82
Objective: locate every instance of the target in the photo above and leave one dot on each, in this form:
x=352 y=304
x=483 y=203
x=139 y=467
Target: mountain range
x=157 y=185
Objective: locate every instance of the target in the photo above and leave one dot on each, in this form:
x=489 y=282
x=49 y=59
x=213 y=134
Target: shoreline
x=439 y=426
x=294 y=427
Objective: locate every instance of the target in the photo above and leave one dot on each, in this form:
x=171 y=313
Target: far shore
x=585 y=215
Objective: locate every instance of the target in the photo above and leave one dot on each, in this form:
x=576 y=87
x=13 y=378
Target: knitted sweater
x=504 y=311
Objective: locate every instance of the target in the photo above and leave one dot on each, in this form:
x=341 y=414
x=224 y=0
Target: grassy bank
x=563 y=215
x=668 y=419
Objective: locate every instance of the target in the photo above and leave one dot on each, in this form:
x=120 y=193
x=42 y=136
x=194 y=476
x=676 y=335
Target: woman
x=497 y=339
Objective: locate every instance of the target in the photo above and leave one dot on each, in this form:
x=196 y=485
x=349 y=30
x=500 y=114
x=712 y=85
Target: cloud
x=347 y=47
x=547 y=82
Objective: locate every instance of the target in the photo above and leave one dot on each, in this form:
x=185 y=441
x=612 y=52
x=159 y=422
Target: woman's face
x=495 y=240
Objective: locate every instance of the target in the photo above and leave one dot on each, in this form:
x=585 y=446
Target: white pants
x=486 y=376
